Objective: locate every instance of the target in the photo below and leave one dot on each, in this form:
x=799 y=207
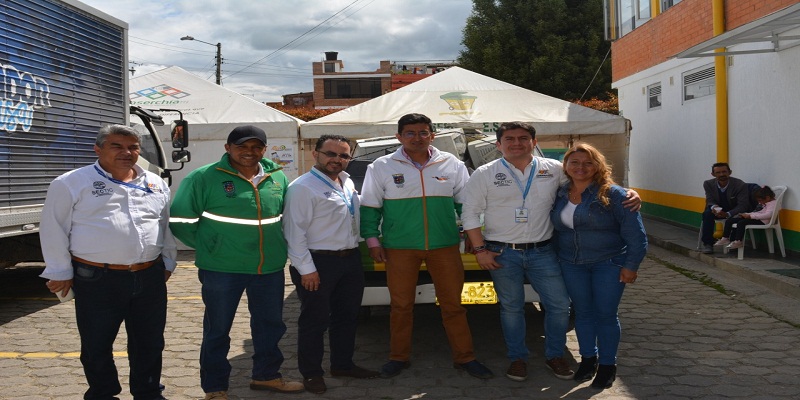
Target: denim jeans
x=334 y=308
x=543 y=271
x=103 y=299
x=221 y=295
x=596 y=292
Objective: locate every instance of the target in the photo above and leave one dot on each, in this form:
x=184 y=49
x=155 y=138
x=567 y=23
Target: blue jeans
x=103 y=300
x=596 y=292
x=221 y=295
x=541 y=267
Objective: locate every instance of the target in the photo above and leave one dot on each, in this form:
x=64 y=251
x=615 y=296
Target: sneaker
x=708 y=249
x=394 y=368
x=315 y=384
x=560 y=368
x=356 y=372
x=277 y=385
x=606 y=375
x=217 y=395
x=722 y=242
x=586 y=369
x=517 y=371
x=475 y=369
x=736 y=244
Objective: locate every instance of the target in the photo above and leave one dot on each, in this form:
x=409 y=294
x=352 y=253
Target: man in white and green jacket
x=412 y=196
x=230 y=212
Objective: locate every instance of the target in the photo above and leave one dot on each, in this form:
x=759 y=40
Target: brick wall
x=688 y=23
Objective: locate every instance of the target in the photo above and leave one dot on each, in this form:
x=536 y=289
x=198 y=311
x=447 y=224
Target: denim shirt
x=600 y=233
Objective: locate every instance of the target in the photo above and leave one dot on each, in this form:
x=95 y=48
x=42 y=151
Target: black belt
x=520 y=246
x=337 y=253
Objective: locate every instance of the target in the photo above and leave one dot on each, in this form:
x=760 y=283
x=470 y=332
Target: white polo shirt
x=493 y=191
x=316 y=216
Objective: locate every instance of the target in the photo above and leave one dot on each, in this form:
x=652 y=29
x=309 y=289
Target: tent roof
x=460 y=97
x=203 y=102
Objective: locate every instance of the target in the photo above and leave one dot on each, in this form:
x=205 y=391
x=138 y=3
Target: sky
x=268 y=45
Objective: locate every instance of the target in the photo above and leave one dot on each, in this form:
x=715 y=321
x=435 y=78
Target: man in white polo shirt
x=320 y=222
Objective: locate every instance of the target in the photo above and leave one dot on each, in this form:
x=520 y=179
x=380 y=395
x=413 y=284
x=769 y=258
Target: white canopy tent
x=460 y=98
x=212 y=112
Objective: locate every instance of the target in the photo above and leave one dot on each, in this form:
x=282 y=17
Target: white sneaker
x=735 y=245
x=722 y=242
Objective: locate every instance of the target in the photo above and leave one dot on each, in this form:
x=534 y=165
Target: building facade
x=691 y=106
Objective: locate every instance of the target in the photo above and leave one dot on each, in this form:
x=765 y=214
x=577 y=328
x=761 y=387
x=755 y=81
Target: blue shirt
x=600 y=233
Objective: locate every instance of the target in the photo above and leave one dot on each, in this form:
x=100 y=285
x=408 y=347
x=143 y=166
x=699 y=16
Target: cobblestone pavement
x=683 y=338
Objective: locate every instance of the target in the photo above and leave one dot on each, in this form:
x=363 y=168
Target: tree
x=551 y=46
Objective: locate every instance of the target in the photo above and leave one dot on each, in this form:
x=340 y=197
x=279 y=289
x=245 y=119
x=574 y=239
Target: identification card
x=353 y=227
x=521 y=215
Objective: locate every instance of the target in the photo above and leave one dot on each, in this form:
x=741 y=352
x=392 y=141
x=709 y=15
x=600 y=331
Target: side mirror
x=179 y=132
x=181 y=156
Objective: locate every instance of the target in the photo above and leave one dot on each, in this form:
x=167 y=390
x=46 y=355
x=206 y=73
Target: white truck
x=63 y=75
x=475 y=149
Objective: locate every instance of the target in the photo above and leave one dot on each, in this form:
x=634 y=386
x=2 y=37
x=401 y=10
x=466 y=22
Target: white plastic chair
x=773 y=225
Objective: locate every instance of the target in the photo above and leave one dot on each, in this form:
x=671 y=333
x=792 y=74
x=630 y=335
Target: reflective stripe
x=184 y=220
x=241 y=221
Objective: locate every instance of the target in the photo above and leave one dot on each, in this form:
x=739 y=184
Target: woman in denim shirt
x=600 y=245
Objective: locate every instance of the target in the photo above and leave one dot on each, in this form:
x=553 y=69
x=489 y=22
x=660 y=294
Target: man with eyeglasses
x=321 y=228
x=230 y=213
x=411 y=197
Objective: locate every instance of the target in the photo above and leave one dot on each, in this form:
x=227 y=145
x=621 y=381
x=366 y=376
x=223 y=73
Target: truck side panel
x=62 y=77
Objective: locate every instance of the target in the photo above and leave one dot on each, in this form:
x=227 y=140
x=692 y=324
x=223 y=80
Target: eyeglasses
x=330 y=154
x=411 y=134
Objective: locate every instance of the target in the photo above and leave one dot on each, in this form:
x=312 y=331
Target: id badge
x=353 y=227
x=521 y=215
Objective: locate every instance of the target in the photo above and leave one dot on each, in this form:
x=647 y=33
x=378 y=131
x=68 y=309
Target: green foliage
x=550 y=46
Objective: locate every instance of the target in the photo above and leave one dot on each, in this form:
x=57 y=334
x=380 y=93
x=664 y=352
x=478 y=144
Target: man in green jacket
x=230 y=213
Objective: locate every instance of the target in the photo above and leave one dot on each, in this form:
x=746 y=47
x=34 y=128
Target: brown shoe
x=277 y=385
x=315 y=384
x=356 y=372
x=217 y=396
x=517 y=371
x=560 y=368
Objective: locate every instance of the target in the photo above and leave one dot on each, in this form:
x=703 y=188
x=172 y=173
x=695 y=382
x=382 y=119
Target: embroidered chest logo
x=399 y=179
x=100 y=189
x=441 y=178
x=501 y=179
x=544 y=173
x=230 y=189
x=154 y=187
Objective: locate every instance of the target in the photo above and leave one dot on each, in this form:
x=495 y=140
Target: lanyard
x=128 y=184
x=517 y=181
x=347 y=202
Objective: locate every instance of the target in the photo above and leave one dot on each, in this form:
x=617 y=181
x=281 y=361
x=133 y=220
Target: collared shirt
x=317 y=217
x=416 y=164
x=494 y=192
x=89 y=216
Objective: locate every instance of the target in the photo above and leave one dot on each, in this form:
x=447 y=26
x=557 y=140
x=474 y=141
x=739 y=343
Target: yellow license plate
x=478 y=293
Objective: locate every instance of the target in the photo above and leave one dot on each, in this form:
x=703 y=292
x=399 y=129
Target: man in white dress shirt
x=105 y=234
x=321 y=225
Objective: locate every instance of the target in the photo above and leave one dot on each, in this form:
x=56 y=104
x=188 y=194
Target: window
x=654 y=96
x=699 y=82
x=353 y=88
x=330 y=67
x=623 y=16
x=665 y=4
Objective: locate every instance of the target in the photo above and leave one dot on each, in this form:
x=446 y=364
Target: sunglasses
x=330 y=154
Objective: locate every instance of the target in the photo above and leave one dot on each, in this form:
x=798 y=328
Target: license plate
x=478 y=293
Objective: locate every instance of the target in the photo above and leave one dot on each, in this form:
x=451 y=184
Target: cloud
x=270 y=34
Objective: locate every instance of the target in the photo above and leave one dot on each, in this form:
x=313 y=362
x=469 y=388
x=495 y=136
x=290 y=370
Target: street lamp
x=219 y=56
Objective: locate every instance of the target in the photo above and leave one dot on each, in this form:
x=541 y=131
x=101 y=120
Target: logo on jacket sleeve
x=399 y=179
x=230 y=189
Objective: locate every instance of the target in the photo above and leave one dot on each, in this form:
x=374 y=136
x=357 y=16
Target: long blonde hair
x=603 y=175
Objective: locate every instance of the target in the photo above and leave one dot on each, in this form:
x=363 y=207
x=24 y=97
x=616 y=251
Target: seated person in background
x=761 y=216
x=725 y=197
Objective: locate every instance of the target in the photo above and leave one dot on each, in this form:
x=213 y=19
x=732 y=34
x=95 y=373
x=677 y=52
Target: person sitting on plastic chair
x=726 y=196
x=761 y=216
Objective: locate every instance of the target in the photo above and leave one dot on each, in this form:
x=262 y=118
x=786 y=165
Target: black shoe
x=586 y=369
x=315 y=384
x=606 y=374
x=356 y=372
x=394 y=368
x=475 y=369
